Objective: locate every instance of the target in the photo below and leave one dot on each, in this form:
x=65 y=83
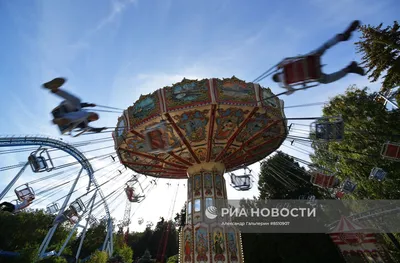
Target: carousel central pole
x=204 y=238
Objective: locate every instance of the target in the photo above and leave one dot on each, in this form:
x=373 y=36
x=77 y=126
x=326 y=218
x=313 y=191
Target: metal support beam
x=108 y=241
x=86 y=226
x=68 y=238
x=11 y=184
x=388 y=100
x=46 y=242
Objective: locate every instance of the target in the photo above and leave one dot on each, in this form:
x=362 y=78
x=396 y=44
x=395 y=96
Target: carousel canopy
x=191 y=122
x=349 y=233
x=346 y=225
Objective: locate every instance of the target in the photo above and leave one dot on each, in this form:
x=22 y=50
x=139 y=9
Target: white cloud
x=117 y=8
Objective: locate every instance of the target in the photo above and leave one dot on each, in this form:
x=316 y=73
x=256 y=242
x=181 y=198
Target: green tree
x=98 y=257
x=146 y=258
x=381 y=52
x=367 y=126
x=53 y=260
x=93 y=241
x=180 y=218
x=139 y=242
x=280 y=247
x=122 y=250
x=25 y=231
x=126 y=253
x=283 y=178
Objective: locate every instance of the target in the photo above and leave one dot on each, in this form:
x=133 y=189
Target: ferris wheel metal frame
x=11 y=141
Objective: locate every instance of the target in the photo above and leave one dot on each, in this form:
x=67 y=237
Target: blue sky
x=114 y=51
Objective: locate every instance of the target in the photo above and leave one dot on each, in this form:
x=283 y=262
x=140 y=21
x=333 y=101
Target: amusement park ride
x=194 y=130
x=77 y=209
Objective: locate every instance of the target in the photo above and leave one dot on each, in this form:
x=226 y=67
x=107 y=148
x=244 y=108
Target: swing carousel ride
x=198 y=130
x=194 y=130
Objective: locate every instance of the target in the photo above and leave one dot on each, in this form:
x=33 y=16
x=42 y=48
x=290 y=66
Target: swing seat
x=242 y=182
x=130 y=191
x=52 y=208
x=377 y=173
x=301 y=70
x=132 y=197
x=323 y=180
x=40 y=163
x=71 y=215
x=137 y=198
x=326 y=130
x=348 y=186
x=302 y=197
x=339 y=194
x=311 y=200
x=72 y=128
x=77 y=206
x=391 y=151
x=93 y=221
x=24 y=192
x=156 y=139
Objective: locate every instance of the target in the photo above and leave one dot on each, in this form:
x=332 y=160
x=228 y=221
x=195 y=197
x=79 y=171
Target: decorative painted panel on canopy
x=195 y=121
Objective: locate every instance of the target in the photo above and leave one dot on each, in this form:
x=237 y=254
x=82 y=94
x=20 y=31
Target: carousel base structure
x=204 y=237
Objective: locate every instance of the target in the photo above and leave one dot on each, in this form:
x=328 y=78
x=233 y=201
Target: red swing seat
x=339 y=194
x=391 y=151
x=301 y=70
x=323 y=180
x=129 y=193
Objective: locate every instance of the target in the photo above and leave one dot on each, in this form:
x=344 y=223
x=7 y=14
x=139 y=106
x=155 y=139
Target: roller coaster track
x=371 y=214
x=11 y=141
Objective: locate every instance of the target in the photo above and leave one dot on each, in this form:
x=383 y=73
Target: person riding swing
x=307 y=68
x=9 y=207
x=69 y=115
